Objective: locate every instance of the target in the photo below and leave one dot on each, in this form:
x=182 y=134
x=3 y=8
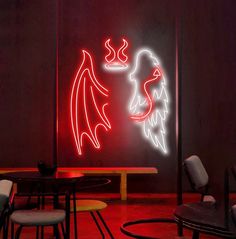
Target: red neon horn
x=116 y=59
x=120 y=53
x=111 y=54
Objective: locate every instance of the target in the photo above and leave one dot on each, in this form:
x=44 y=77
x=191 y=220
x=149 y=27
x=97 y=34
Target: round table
x=205 y=217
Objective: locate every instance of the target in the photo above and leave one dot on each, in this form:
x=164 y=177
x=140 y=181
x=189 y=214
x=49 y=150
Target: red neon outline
x=121 y=51
x=157 y=77
x=80 y=85
x=113 y=58
x=111 y=51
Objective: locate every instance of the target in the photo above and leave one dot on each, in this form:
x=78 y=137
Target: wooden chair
x=41 y=217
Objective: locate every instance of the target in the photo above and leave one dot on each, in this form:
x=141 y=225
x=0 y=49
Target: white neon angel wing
x=149 y=104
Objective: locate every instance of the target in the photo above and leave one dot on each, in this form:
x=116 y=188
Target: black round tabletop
x=205 y=217
x=36 y=176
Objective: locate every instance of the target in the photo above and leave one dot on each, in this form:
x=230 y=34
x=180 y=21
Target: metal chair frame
x=124 y=227
x=41 y=198
x=196 y=228
x=96 y=215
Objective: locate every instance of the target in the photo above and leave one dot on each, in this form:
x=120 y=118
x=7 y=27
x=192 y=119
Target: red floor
x=138 y=206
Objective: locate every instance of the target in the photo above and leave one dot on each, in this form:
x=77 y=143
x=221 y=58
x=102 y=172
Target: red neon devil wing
x=87 y=106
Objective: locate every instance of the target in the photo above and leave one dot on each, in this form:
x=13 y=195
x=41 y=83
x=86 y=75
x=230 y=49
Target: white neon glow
x=114 y=61
x=152 y=120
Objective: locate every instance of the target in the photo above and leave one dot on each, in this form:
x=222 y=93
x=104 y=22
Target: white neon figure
x=116 y=60
x=149 y=103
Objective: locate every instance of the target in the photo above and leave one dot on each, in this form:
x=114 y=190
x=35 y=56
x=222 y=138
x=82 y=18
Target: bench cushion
x=5 y=191
x=38 y=217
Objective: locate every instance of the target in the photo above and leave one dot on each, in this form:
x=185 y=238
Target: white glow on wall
x=149 y=104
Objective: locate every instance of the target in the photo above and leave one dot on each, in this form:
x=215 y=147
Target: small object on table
x=45 y=169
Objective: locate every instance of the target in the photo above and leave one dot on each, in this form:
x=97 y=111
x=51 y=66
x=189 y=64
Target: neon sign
x=149 y=102
x=87 y=106
x=116 y=61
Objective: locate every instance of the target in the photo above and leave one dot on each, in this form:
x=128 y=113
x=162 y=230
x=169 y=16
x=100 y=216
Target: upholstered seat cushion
x=209 y=198
x=197 y=172
x=85 y=205
x=5 y=190
x=38 y=217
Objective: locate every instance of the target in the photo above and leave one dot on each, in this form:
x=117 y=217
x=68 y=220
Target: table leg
x=68 y=216
x=123 y=186
x=74 y=210
x=180 y=229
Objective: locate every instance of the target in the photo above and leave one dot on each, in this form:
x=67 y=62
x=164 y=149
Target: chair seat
x=38 y=217
x=85 y=205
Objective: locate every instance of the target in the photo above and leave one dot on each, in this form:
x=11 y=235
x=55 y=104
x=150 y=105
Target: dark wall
x=27 y=73
x=27 y=77
x=209 y=86
x=86 y=25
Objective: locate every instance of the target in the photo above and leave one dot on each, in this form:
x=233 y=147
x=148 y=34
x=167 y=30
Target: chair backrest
x=5 y=191
x=196 y=172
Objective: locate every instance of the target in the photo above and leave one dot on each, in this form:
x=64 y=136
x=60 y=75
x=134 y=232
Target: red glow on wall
x=154 y=78
x=116 y=59
x=87 y=106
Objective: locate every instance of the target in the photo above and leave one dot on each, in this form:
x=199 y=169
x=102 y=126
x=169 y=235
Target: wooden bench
x=109 y=171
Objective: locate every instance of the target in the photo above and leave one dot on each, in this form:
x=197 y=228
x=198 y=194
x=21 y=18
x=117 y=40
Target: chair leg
x=195 y=235
x=37 y=232
x=180 y=229
x=12 y=230
x=56 y=231
x=42 y=232
x=18 y=231
x=63 y=230
x=97 y=224
x=105 y=225
x=74 y=212
x=6 y=228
